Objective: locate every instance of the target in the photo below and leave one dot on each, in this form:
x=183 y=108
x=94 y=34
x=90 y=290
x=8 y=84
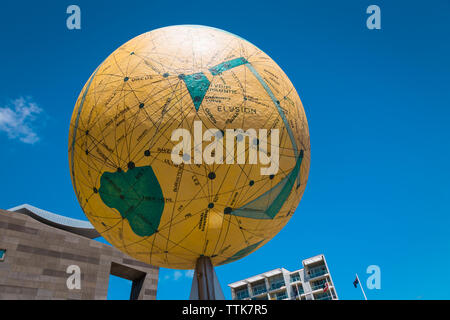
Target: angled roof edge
x=80 y=227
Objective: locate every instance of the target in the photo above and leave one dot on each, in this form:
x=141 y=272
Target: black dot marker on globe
x=156 y=191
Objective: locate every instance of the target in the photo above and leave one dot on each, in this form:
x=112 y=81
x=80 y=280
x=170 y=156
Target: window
x=317 y=271
x=276 y=282
x=297 y=290
x=281 y=295
x=259 y=288
x=2 y=254
x=295 y=277
x=323 y=296
x=319 y=284
x=242 y=294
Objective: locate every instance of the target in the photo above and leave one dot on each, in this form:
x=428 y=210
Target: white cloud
x=17 y=120
x=177 y=275
x=189 y=273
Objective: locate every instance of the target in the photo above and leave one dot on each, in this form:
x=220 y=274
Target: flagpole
x=360 y=285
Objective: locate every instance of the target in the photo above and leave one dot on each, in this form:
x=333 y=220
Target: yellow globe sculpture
x=216 y=189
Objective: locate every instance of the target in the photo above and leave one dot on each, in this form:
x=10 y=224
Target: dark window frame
x=2 y=254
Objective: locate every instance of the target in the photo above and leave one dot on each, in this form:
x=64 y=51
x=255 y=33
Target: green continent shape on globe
x=137 y=195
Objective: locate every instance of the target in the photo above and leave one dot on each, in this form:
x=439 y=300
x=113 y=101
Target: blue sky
x=377 y=103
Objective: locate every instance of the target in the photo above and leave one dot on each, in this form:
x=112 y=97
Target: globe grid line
x=133 y=128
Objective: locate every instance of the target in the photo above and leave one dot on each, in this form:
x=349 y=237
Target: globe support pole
x=205 y=284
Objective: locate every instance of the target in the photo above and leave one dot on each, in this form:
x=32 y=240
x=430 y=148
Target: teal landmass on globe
x=268 y=205
x=198 y=84
x=137 y=195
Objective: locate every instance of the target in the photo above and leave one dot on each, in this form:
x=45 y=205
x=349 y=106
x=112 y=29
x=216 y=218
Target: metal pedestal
x=205 y=285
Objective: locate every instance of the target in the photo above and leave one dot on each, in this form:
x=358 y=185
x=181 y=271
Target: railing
x=318 y=285
x=295 y=278
x=281 y=296
x=259 y=289
x=316 y=272
x=300 y=291
x=242 y=294
x=323 y=298
x=277 y=284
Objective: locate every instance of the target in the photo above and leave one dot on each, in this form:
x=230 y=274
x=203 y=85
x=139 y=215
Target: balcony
x=296 y=293
x=280 y=295
x=323 y=296
x=316 y=285
x=316 y=272
x=242 y=294
x=295 y=277
x=276 y=284
x=259 y=289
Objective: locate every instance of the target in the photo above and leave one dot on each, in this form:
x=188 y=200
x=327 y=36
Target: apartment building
x=312 y=282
